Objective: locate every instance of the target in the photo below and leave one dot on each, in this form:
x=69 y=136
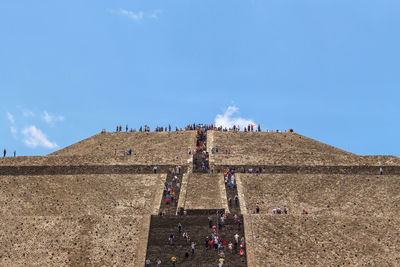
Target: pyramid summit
x=200 y=196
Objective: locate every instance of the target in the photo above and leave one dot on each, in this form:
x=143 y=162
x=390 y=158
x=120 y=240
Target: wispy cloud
x=28 y=113
x=34 y=137
x=154 y=14
x=14 y=132
x=227 y=120
x=136 y=16
x=13 y=129
x=10 y=117
x=51 y=119
x=132 y=15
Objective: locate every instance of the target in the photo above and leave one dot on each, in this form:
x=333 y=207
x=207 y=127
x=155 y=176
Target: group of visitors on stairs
x=224 y=247
x=201 y=157
x=221 y=246
x=231 y=191
x=172 y=187
x=225 y=238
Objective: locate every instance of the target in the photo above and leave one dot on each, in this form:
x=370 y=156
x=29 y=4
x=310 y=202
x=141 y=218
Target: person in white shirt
x=230 y=246
x=193 y=247
x=237 y=238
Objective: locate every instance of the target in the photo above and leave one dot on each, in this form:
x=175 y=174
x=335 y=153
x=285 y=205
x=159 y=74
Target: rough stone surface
x=321 y=194
x=64 y=241
x=148 y=148
x=289 y=240
x=80 y=195
x=269 y=148
x=205 y=191
x=352 y=220
x=76 y=220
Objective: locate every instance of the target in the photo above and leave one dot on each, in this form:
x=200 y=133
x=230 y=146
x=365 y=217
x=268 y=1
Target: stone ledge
x=86 y=169
x=305 y=169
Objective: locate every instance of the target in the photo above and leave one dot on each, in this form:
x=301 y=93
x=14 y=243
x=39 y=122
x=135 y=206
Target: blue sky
x=328 y=69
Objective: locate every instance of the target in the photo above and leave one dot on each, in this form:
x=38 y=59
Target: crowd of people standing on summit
x=194 y=126
x=5 y=153
x=145 y=128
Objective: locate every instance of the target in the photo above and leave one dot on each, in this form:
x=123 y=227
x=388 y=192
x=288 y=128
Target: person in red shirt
x=242 y=254
x=210 y=244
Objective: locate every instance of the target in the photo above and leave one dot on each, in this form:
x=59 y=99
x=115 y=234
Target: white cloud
x=50 y=119
x=227 y=121
x=34 y=137
x=10 y=117
x=136 y=16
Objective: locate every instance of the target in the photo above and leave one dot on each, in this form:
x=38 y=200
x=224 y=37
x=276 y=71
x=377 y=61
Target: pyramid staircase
x=197 y=225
